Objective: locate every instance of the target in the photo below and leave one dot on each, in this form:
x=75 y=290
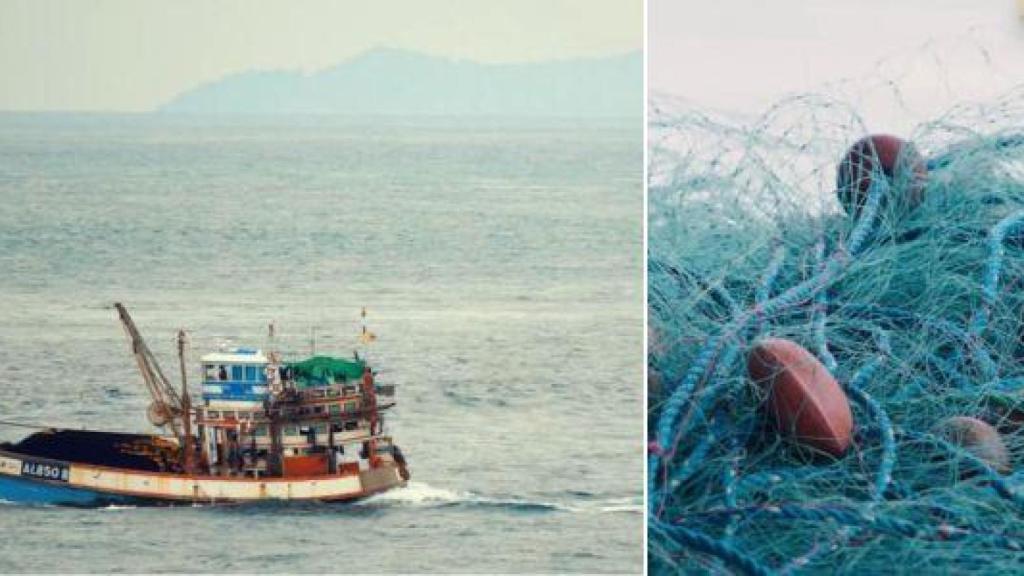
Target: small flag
x=366 y=337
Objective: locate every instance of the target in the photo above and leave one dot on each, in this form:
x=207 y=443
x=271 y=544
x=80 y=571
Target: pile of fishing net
x=799 y=267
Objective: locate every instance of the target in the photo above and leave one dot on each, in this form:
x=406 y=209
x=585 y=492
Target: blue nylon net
x=916 y=310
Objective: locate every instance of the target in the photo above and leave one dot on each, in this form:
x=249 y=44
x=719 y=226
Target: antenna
x=271 y=338
x=365 y=336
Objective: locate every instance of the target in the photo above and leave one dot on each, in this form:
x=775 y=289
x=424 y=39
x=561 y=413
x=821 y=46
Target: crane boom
x=165 y=398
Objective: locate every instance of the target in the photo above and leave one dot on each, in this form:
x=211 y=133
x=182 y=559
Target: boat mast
x=275 y=462
x=186 y=402
x=166 y=406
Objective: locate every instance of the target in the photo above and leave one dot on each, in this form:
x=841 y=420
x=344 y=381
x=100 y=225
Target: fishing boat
x=265 y=429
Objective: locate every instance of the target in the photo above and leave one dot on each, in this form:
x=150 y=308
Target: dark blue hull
x=37 y=492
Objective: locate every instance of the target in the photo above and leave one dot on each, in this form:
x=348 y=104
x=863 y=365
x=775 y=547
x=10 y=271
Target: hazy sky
x=743 y=55
x=132 y=55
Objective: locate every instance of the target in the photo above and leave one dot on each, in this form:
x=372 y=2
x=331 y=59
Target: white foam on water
x=26 y=504
x=417 y=494
x=622 y=508
x=625 y=504
x=421 y=494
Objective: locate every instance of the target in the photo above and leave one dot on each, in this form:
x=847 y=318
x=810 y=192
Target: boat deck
x=143 y=452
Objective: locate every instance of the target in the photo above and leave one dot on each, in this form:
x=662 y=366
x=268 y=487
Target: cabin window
x=236 y=373
x=350 y=407
x=212 y=414
x=291 y=431
x=335 y=408
x=332 y=393
x=250 y=373
x=351 y=425
x=320 y=428
x=261 y=430
x=211 y=372
x=318 y=409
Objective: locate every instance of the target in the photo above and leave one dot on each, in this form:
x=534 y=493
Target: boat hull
x=30 y=480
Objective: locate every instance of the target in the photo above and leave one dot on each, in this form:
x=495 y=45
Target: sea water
x=500 y=265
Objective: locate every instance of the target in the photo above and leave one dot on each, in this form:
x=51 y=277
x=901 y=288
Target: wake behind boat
x=265 y=429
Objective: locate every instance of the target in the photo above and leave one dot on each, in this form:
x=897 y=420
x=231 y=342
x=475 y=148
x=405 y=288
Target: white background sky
x=132 y=55
x=743 y=55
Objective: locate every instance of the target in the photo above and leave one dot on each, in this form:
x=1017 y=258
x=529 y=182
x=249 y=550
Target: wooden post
x=274 y=457
x=204 y=448
x=370 y=402
x=332 y=456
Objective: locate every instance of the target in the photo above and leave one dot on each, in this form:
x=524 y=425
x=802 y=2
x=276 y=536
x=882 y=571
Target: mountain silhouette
x=393 y=82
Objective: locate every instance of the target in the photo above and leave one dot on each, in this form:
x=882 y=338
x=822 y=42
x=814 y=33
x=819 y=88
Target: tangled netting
x=918 y=313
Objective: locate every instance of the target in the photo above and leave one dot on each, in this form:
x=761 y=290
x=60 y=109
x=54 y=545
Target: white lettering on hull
x=56 y=472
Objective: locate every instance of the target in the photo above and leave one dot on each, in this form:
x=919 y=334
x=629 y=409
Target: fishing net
x=915 y=308
x=326 y=370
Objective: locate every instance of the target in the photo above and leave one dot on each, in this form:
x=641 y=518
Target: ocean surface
x=500 y=264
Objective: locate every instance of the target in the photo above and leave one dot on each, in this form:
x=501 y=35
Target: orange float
x=805 y=399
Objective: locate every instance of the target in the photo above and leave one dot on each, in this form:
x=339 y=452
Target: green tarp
x=326 y=370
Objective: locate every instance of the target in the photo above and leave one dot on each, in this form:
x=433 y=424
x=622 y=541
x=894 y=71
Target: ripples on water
x=501 y=267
